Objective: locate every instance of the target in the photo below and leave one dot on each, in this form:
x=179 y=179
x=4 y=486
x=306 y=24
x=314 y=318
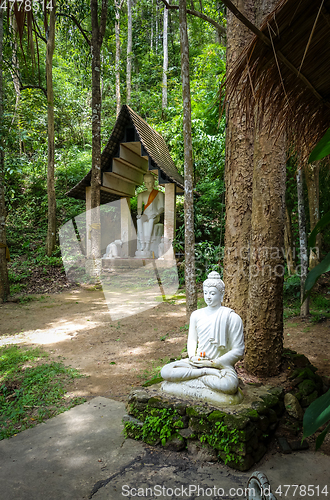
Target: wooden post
x=126 y=226
x=88 y=221
x=169 y=215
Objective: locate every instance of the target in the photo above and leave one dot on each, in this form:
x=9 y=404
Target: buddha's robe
x=220 y=336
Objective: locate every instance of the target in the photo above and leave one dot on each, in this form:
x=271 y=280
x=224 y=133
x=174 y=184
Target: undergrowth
x=31 y=390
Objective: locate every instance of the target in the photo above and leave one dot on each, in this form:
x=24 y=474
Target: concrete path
x=82 y=454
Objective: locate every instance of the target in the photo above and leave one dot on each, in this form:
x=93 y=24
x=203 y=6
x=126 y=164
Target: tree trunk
x=129 y=52
x=4 y=283
x=264 y=329
x=165 y=60
x=288 y=243
x=311 y=172
x=304 y=309
x=97 y=39
x=117 y=58
x=255 y=164
x=238 y=177
x=51 y=232
x=190 y=273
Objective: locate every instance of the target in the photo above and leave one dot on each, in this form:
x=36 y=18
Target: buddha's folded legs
x=224 y=380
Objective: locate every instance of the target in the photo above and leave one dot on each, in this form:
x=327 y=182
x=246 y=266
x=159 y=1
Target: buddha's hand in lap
x=199 y=362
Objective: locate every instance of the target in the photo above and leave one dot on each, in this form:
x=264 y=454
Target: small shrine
x=133 y=150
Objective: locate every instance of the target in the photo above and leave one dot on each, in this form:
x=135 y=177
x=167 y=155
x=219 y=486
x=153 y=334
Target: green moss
x=216 y=416
x=198 y=411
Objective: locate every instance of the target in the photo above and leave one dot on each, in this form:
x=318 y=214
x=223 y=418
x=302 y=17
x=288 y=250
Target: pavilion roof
x=153 y=146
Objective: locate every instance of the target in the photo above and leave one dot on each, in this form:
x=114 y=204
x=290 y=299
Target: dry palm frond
x=266 y=80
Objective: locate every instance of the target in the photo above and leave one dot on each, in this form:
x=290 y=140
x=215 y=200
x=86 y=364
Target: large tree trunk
x=304 y=309
x=238 y=177
x=4 y=283
x=264 y=329
x=129 y=52
x=190 y=274
x=97 y=39
x=51 y=232
x=311 y=172
x=165 y=60
x=255 y=187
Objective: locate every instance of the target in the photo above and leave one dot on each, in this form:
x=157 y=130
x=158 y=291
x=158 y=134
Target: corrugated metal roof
x=152 y=142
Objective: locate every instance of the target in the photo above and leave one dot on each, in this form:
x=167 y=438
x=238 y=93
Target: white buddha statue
x=152 y=203
x=215 y=344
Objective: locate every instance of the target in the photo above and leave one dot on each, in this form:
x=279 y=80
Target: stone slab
x=82 y=454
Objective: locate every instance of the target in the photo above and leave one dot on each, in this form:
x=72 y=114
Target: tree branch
x=196 y=13
x=76 y=22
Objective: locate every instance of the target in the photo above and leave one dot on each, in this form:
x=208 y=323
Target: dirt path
x=76 y=327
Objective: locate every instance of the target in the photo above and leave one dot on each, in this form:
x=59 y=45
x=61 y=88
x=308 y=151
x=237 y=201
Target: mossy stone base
x=237 y=435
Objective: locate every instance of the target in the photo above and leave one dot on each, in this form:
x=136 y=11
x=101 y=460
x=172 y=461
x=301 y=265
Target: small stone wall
x=236 y=435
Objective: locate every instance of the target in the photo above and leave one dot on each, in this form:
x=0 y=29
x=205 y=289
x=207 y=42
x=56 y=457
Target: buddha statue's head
x=215 y=283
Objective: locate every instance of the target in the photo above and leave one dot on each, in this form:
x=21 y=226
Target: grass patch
x=31 y=391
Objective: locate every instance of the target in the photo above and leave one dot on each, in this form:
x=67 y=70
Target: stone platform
x=237 y=435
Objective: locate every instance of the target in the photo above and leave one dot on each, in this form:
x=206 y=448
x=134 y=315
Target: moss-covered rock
x=199 y=425
x=306 y=387
x=198 y=411
x=238 y=422
x=175 y=443
x=216 y=416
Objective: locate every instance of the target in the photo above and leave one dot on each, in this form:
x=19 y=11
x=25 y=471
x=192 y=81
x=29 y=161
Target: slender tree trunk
x=16 y=83
x=152 y=26
x=129 y=52
x=238 y=176
x=4 y=283
x=165 y=59
x=311 y=172
x=156 y=28
x=97 y=39
x=117 y=58
x=288 y=243
x=304 y=309
x=51 y=232
x=190 y=274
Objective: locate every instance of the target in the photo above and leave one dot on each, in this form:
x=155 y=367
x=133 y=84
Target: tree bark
x=129 y=52
x=238 y=177
x=51 y=232
x=255 y=188
x=264 y=328
x=165 y=60
x=4 y=283
x=97 y=39
x=311 y=172
x=190 y=273
x=304 y=309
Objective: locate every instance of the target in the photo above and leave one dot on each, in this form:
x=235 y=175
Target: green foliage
x=161 y=424
x=316 y=415
x=223 y=439
x=321 y=149
x=31 y=392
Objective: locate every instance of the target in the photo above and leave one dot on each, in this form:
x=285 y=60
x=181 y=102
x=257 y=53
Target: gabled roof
x=287 y=76
x=130 y=127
